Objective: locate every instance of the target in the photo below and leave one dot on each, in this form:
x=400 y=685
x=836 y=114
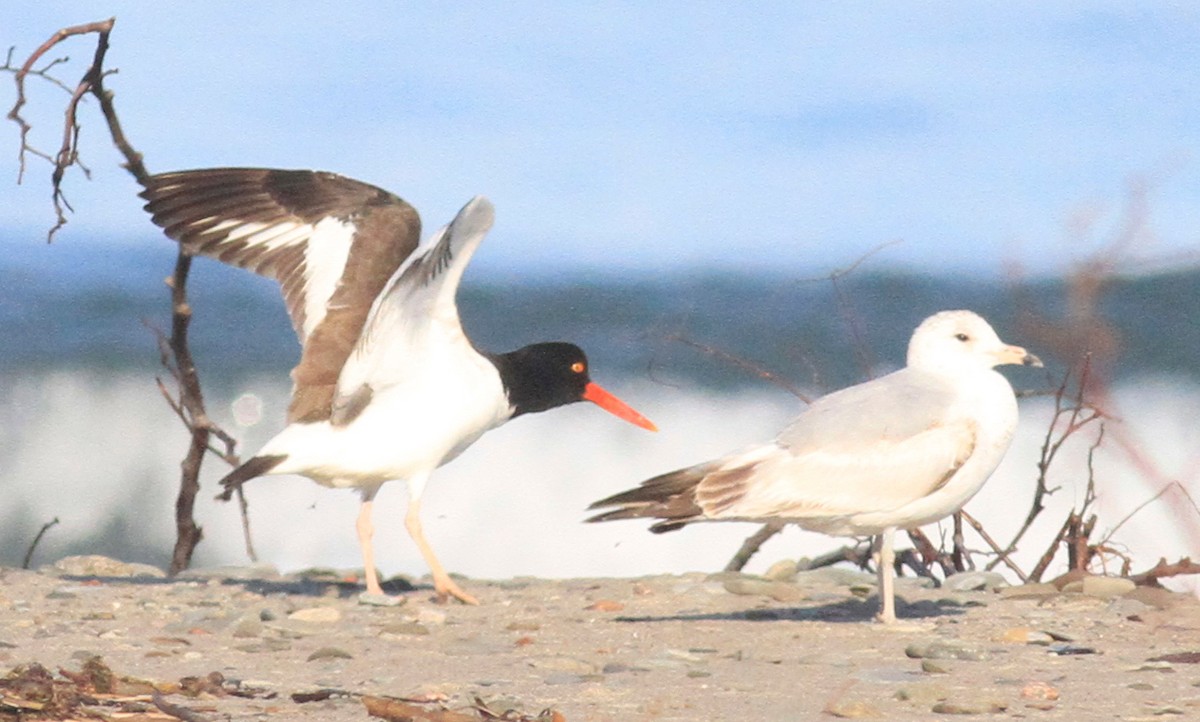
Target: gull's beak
x=1017 y=355
x=596 y=393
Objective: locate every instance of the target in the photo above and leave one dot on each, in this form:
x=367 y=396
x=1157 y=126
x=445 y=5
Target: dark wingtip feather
x=670 y=496
x=253 y=468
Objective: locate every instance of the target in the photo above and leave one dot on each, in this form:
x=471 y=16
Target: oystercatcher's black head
x=542 y=376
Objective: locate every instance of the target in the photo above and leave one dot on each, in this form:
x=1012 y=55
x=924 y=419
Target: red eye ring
x=578 y=367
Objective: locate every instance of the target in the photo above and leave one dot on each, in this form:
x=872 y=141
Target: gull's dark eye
x=962 y=337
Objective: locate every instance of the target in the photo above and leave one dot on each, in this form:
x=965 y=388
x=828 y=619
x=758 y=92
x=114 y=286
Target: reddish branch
x=1163 y=569
x=1077 y=414
x=189 y=404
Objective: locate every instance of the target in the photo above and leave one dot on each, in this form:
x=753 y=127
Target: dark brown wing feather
x=670 y=496
x=202 y=209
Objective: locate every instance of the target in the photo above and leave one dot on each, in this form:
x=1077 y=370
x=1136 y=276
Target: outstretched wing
x=418 y=300
x=331 y=242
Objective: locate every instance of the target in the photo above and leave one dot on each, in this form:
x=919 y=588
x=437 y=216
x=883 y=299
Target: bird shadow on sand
x=848 y=610
x=301 y=587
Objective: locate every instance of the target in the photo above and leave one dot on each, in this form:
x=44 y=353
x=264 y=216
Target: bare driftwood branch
x=752 y=545
x=859 y=555
x=1163 y=569
x=189 y=405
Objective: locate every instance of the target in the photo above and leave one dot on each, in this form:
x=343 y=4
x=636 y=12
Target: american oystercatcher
x=388 y=385
x=897 y=452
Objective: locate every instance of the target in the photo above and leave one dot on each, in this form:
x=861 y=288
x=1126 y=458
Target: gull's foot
x=446 y=588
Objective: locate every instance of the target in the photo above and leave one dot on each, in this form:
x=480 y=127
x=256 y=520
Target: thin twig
x=1040 y=568
x=29 y=552
x=741 y=363
x=1079 y=414
x=67 y=155
x=1001 y=555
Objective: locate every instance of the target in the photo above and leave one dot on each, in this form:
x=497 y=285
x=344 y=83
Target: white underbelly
x=406 y=430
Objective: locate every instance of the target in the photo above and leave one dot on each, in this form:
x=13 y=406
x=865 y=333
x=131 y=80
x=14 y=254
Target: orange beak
x=597 y=395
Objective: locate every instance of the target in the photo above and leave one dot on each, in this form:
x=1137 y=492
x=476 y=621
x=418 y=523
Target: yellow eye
x=577 y=367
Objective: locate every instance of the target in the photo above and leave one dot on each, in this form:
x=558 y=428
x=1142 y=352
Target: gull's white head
x=962 y=339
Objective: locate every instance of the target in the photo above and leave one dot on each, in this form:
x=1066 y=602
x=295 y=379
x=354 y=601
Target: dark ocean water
x=90 y=308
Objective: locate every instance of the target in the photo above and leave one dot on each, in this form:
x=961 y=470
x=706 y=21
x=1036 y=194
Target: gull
x=897 y=452
x=388 y=385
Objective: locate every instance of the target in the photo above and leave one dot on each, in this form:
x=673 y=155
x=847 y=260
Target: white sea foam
x=101 y=453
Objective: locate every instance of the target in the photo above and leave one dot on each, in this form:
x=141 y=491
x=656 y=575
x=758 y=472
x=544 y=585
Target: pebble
x=1029 y=591
x=1156 y=597
x=981 y=705
x=430 y=616
x=1024 y=635
x=269 y=644
x=783 y=570
x=1067 y=649
x=779 y=591
x=323 y=615
x=923 y=694
x=563 y=664
x=94 y=565
x=564 y=678
x=605 y=605
x=1039 y=690
x=406 y=629
x=945 y=649
x=852 y=709
x=329 y=653
x=974 y=581
x=249 y=625
x=929 y=666
x=1155 y=666
x=836 y=576
x=248 y=572
x=1106 y=587
x=1125 y=607
x=685 y=656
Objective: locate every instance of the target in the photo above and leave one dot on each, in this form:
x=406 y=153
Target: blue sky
x=610 y=135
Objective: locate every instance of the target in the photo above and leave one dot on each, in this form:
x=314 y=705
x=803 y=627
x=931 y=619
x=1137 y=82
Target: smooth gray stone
x=974 y=581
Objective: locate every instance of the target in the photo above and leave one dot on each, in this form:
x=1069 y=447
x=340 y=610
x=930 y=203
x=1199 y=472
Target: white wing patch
x=324 y=261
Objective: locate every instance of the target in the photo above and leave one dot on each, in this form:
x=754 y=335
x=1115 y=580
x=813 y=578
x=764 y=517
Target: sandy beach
x=260 y=645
